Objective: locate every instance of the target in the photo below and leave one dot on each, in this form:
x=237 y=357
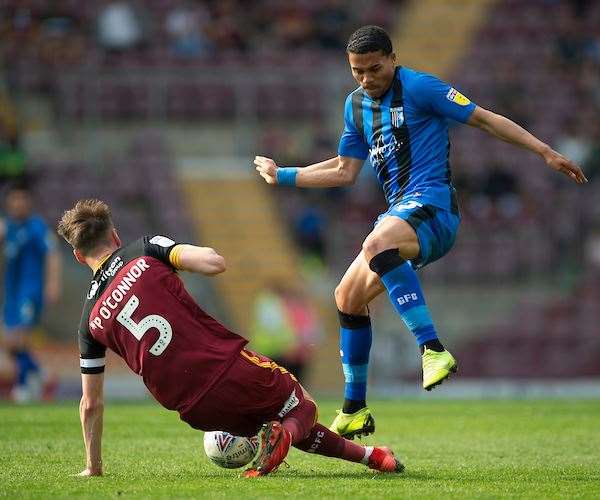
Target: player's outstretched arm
x=334 y=172
x=509 y=131
x=91 y=412
x=203 y=260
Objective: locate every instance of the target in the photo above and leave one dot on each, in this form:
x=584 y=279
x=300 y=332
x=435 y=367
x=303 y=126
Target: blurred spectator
x=574 y=142
x=60 y=40
x=12 y=158
x=323 y=141
x=580 y=7
x=591 y=165
x=332 y=19
x=272 y=332
x=32 y=277
x=307 y=330
x=509 y=94
x=286 y=326
x=310 y=231
x=589 y=80
x=228 y=28
x=499 y=183
x=119 y=26
x=569 y=40
x=294 y=27
x=185 y=25
x=592 y=250
x=495 y=194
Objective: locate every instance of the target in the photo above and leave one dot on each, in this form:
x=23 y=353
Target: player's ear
x=393 y=56
x=116 y=238
x=79 y=257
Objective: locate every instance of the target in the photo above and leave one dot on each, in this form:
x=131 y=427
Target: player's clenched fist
x=267 y=169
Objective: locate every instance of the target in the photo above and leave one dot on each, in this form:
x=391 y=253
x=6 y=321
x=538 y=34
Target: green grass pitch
x=452 y=449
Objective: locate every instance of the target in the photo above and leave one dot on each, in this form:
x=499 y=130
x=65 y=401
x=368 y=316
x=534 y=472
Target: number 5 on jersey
x=151 y=321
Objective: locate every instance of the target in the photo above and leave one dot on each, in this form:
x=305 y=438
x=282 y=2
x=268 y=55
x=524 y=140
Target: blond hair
x=87 y=225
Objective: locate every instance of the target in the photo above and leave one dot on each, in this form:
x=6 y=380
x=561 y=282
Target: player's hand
x=267 y=169
x=88 y=472
x=562 y=164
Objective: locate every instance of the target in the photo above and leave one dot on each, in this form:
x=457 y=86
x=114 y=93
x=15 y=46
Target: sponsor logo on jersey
x=111 y=270
x=397 y=116
x=456 y=97
x=289 y=405
x=162 y=241
x=381 y=150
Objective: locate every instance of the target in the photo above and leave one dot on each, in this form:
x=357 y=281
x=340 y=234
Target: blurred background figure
x=272 y=331
x=32 y=278
x=12 y=157
x=119 y=26
x=187 y=25
x=286 y=326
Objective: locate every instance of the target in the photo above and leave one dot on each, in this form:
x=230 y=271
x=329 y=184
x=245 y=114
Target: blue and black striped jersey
x=405 y=136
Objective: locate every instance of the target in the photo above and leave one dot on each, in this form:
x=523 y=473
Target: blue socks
x=355 y=346
x=406 y=295
x=25 y=365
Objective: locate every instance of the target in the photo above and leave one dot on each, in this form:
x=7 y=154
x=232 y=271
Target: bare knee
x=346 y=302
x=374 y=245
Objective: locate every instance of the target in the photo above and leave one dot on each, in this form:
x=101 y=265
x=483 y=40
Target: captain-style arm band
x=286 y=176
x=174 y=256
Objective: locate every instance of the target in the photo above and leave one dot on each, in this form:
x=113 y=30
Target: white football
x=229 y=451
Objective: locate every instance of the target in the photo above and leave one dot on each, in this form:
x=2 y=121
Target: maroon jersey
x=138 y=307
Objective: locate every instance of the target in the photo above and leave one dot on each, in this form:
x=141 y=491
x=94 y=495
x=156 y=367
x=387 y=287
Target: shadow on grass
x=359 y=475
x=320 y=475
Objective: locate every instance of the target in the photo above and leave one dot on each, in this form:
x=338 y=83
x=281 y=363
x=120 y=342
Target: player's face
x=18 y=204
x=374 y=71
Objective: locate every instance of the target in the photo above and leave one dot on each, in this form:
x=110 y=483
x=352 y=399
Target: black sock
x=352 y=406
x=433 y=345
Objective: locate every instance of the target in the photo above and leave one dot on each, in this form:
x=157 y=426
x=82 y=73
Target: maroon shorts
x=253 y=391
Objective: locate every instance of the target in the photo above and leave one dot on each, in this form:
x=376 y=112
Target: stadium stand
x=141 y=186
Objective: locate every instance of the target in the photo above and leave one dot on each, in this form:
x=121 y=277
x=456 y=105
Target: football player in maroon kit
x=138 y=307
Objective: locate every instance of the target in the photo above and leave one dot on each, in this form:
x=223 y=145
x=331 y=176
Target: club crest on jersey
x=397 y=116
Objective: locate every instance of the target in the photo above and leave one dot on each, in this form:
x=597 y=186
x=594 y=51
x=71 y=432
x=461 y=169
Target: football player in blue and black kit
x=32 y=273
x=398 y=118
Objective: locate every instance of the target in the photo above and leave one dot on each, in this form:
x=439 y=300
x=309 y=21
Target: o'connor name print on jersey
x=138 y=307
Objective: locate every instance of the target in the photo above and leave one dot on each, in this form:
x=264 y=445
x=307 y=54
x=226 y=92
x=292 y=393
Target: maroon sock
x=324 y=442
x=300 y=421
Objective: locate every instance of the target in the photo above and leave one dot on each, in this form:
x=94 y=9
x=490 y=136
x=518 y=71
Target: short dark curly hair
x=369 y=38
